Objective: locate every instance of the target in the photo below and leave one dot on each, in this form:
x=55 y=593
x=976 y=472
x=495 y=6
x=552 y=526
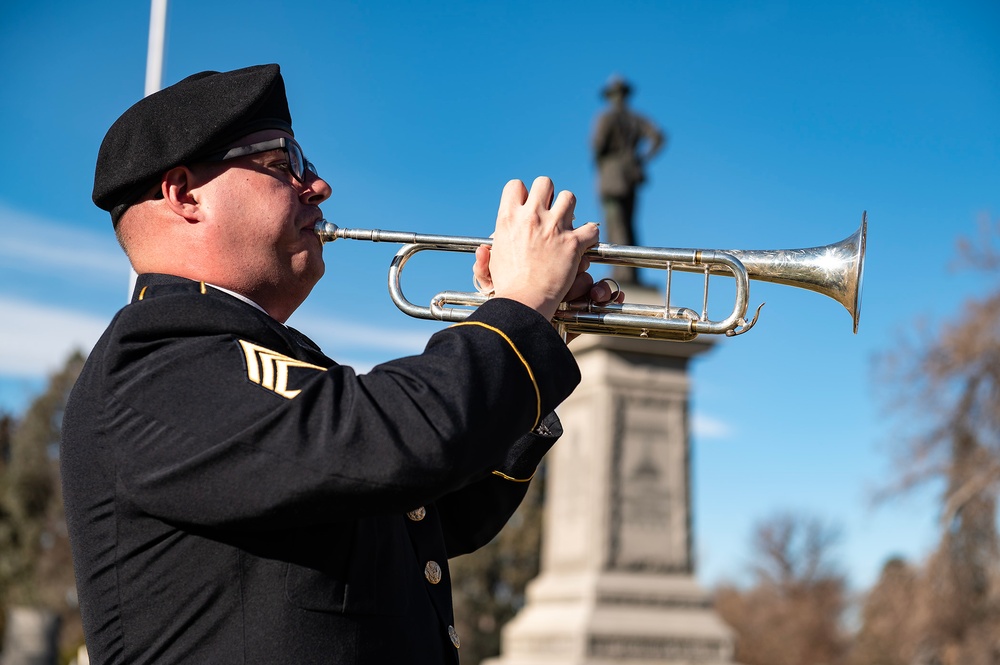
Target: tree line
x=36 y=567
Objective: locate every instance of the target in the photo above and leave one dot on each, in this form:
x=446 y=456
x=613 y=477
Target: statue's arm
x=655 y=138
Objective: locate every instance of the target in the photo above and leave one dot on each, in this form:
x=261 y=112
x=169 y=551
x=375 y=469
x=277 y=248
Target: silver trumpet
x=834 y=270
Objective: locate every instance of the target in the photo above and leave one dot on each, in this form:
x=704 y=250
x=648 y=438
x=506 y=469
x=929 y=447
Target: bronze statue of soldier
x=623 y=142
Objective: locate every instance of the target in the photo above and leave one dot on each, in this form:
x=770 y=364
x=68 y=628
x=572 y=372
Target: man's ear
x=178 y=187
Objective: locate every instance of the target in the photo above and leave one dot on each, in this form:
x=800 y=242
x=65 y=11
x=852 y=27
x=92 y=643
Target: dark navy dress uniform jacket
x=235 y=496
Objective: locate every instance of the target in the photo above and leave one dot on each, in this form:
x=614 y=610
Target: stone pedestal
x=617 y=577
x=31 y=637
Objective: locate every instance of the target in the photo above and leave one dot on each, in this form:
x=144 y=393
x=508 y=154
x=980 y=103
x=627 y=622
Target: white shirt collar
x=239 y=296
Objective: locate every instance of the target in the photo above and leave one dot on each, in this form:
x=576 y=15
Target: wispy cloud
x=707 y=427
x=36 y=339
x=31 y=243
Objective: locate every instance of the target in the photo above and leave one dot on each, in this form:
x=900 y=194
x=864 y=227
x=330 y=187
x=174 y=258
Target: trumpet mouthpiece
x=327 y=231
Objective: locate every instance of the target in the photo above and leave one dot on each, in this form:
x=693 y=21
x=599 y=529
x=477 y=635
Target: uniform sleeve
x=230 y=429
x=473 y=515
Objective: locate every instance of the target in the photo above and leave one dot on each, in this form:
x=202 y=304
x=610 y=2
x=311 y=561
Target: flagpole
x=154 y=55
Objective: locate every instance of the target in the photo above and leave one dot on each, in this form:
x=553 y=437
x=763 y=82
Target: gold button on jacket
x=432 y=571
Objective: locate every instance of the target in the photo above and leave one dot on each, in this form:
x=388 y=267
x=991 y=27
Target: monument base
x=616 y=619
x=617 y=583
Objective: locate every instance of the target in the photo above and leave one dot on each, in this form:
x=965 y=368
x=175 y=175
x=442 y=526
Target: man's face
x=262 y=222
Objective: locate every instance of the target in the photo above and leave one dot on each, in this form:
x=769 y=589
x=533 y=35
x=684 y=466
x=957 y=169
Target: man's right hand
x=537 y=255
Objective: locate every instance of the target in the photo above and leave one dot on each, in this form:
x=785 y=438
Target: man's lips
x=310 y=225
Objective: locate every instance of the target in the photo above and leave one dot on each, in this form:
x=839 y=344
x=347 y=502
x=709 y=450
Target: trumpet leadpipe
x=328 y=232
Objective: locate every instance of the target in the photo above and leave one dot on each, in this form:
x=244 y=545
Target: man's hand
x=537 y=256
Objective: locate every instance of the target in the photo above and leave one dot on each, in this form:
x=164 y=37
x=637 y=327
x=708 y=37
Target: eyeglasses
x=297 y=162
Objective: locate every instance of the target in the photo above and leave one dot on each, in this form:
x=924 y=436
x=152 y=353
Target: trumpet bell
x=837 y=270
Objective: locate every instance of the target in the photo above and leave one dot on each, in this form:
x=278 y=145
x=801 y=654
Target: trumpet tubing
x=835 y=270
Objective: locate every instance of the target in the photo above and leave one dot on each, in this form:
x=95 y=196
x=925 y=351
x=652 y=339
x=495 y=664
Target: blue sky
x=786 y=121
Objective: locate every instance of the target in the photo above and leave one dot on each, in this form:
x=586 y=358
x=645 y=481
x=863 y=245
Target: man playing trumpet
x=235 y=496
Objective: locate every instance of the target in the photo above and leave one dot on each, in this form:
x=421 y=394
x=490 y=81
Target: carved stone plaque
x=649 y=511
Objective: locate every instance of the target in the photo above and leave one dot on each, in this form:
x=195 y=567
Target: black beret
x=177 y=125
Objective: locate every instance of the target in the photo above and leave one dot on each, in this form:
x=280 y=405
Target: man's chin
x=314 y=271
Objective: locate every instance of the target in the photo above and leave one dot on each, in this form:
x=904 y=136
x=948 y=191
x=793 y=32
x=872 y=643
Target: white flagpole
x=154 y=73
x=154 y=55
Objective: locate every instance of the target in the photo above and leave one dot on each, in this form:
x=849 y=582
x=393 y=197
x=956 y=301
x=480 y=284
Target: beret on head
x=190 y=119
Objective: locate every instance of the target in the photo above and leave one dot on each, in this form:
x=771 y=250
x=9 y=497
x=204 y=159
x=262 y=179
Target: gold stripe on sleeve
x=531 y=375
x=516 y=480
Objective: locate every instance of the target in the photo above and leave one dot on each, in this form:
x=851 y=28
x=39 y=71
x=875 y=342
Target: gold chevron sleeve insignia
x=269 y=369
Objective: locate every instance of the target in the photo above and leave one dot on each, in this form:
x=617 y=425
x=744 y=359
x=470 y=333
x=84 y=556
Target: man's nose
x=317 y=190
